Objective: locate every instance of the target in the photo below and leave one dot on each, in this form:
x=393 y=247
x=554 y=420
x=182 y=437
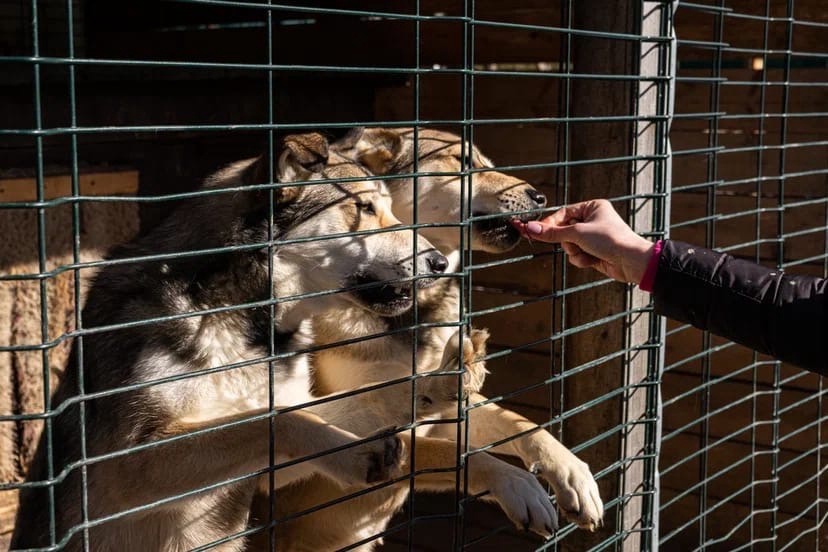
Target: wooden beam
x=641 y=507
x=599 y=98
x=91 y=184
x=335 y=41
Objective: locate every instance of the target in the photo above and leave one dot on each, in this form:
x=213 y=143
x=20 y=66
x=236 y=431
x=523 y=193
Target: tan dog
x=384 y=358
x=163 y=388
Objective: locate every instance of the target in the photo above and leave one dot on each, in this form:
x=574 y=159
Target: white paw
x=575 y=488
x=524 y=500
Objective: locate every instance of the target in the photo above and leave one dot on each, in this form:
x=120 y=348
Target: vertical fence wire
x=694 y=382
x=270 y=158
x=42 y=262
x=759 y=422
x=76 y=248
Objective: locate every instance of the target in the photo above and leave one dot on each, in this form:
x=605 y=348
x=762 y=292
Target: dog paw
x=379 y=459
x=472 y=350
x=437 y=391
x=522 y=498
x=575 y=488
x=385 y=461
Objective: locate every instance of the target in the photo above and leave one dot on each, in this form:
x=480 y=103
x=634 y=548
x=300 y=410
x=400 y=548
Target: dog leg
x=516 y=491
x=575 y=487
x=436 y=391
x=188 y=463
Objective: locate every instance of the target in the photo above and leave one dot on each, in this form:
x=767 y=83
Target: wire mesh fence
x=741 y=456
x=115 y=114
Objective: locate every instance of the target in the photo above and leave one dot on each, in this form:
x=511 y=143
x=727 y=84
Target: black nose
x=437 y=262
x=536 y=196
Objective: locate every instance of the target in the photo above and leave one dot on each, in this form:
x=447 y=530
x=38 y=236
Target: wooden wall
x=737 y=480
x=739 y=437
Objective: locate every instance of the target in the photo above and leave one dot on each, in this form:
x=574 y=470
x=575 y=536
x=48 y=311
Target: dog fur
x=377 y=357
x=161 y=386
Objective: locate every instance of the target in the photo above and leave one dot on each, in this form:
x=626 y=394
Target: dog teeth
x=403 y=291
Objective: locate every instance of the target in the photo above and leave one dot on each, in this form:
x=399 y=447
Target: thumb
x=552 y=233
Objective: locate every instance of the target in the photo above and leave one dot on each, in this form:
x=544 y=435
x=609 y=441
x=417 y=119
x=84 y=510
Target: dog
x=162 y=442
x=379 y=350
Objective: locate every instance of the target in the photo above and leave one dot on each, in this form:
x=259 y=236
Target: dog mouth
x=498 y=232
x=384 y=297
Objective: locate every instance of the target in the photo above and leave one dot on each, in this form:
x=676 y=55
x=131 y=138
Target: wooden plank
x=738 y=225
x=519 y=375
x=722 y=521
x=733 y=166
x=515 y=321
x=694 y=96
x=687 y=344
x=538 y=275
x=636 y=369
x=735 y=464
x=739 y=405
x=357 y=42
x=91 y=184
x=599 y=98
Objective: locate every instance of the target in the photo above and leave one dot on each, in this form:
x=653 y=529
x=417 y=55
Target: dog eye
x=366 y=207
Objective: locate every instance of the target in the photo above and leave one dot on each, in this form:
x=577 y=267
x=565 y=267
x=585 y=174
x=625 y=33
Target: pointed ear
x=257 y=174
x=301 y=156
x=378 y=149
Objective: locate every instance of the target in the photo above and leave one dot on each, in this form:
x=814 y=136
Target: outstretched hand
x=593 y=235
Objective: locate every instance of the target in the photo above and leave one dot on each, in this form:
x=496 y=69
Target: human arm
x=767 y=310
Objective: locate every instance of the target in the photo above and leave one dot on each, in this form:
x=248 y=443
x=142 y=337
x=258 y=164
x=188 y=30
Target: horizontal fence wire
x=739 y=453
x=741 y=457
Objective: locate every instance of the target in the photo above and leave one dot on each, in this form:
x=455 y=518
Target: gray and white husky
x=176 y=402
x=378 y=349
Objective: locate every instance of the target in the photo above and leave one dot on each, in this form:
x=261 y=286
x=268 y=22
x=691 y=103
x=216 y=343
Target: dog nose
x=437 y=262
x=536 y=196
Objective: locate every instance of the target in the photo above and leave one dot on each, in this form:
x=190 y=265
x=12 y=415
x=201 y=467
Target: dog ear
x=302 y=155
x=378 y=149
x=256 y=174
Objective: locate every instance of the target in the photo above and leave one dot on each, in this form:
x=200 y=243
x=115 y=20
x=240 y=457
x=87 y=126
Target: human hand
x=593 y=235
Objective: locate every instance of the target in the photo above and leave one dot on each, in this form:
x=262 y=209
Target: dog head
x=340 y=232
x=495 y=197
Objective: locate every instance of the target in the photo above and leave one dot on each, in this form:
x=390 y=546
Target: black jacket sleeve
x=767 y=310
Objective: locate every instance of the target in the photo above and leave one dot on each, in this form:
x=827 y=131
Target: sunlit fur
x=175 y=364
x=387 y=357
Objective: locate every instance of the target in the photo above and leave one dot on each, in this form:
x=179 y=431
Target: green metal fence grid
x=778 y=194
x=752 y=477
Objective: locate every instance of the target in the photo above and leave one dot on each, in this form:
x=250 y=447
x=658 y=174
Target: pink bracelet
x=648 y=280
